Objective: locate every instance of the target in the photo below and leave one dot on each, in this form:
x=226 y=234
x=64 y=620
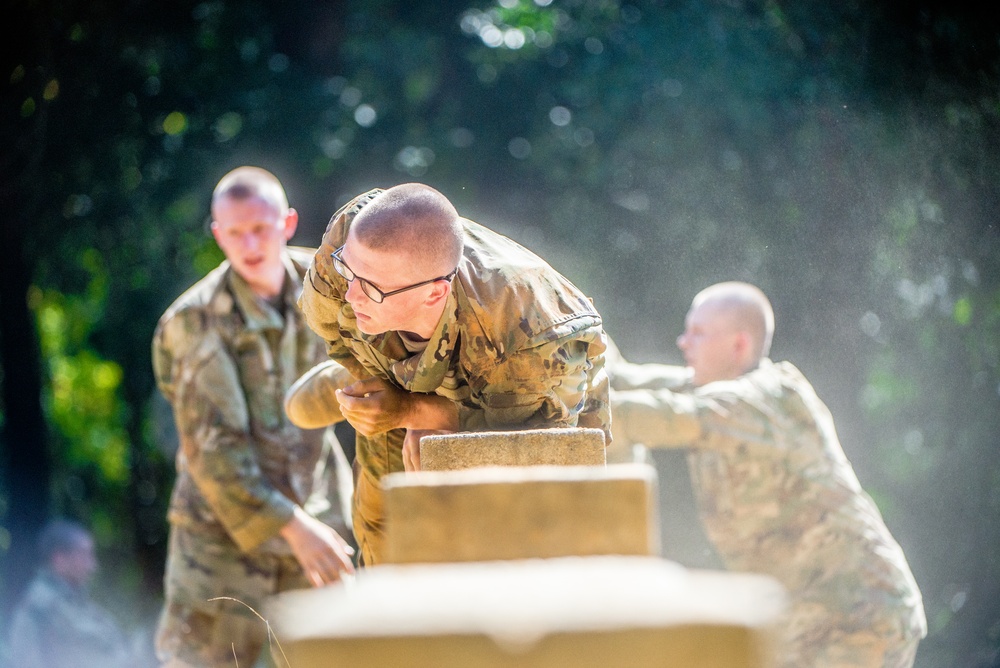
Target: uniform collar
x=425 y=371
x=257 y=312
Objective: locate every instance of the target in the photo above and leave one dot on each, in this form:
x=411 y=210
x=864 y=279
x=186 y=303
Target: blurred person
x=775 y=492
x=435 y=323
x=57 y=624
x=254 y=509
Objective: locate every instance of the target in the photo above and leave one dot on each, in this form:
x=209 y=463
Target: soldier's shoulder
x=200 y=295
x=781 y=379
x=188 y=316
x=360 y=201
x=301 y=255
x=763 y=385
x=40 y=595
x=519 y=300
x=345 y=214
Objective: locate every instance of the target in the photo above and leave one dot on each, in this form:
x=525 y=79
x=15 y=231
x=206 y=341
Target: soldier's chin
x=365 y=324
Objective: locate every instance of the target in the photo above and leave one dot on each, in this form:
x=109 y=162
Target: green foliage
x=83 y=397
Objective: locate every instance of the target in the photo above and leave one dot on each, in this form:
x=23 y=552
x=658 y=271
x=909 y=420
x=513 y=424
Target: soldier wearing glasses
x=436 y=323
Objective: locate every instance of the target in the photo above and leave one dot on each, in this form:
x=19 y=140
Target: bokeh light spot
x=175 y=123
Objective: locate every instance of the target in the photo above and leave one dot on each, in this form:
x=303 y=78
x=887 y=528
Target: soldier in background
x=776 y=493
x=57 y=624
x=255 y=509
x=437 y=323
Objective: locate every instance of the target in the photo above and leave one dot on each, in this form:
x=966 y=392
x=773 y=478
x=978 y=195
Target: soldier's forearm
x=311 y=402
x=429 y=411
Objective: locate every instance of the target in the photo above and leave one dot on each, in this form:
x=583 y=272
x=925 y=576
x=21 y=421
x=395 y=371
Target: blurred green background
x=843 y=156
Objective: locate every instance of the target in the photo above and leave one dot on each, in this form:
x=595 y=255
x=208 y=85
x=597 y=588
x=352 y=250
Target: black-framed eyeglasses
x=368 y=287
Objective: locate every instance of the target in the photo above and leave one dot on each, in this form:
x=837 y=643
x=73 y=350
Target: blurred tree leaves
x=842 y=156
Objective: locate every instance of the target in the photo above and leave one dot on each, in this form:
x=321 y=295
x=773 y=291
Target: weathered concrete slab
x=530 y=447
x=592 y=612
x=527 y=512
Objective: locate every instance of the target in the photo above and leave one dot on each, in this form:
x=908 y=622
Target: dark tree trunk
x=24 y=452
x=26 y=466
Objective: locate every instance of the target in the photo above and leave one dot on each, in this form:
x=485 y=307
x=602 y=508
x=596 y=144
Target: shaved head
x=416 y=220
x=727 y=332
x=247 y=183
x=746 y=307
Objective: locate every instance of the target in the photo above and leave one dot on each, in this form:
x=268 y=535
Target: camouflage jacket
x=57 y=625
x=518 y=346
x=775 y=491
x=224 y=358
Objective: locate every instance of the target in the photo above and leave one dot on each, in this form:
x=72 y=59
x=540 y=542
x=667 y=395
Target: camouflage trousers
x=196 y=632
x=368 y=517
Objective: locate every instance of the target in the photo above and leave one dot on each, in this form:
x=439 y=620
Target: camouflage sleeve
x=717 y=416
x=311 y=402
x=627 y=375
x=322 y=300
x=320 y=303
x=543 y=386
x=214 y=427
x=655 y=418
x=163 y=363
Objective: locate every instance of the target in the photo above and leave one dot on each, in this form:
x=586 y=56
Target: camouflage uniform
x=777 y=495
x=518 y=346
x=57 y=625
x=224 y=358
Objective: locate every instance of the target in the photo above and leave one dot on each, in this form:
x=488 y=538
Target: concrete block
x=520 y=513
x=531 y=447
x=590 y=612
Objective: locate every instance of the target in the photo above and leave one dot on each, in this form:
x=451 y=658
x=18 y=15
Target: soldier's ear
x=744 y=347
x=291 y=223
x=439 y=292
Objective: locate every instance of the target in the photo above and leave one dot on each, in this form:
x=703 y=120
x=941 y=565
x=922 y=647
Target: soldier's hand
x=373 y=406
x=321 y=551
x=411 y=446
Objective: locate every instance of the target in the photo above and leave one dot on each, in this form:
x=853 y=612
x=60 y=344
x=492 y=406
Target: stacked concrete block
x=532 y=447
x=572 y=612
x=527 y=512
x=525 y=550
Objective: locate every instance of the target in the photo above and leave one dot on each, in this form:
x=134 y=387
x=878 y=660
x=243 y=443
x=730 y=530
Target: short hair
x=246 y=182
x=415 y=218
x=59 y=537
x=749 y=307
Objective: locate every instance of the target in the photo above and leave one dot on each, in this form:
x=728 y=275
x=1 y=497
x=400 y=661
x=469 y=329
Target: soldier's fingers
x=322 y=574
x=346 y=401
x=342 y=552
x=339 y=565
x=362 y=387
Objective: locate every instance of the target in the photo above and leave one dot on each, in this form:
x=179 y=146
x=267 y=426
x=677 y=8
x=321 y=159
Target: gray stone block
x=530 y=447
x=590 y=612
x=528 y=512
